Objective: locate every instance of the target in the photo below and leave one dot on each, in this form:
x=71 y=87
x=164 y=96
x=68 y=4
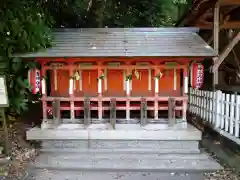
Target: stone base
x=122 y=132
x=89 y=175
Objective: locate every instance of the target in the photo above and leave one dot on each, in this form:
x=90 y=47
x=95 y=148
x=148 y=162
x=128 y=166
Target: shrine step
x=126 y=162
x=131 y=151
x=41 y=174
x=120 y=145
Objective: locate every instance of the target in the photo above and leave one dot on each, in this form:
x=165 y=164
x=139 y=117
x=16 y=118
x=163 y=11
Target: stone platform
x=181 y=131
x=73 y=152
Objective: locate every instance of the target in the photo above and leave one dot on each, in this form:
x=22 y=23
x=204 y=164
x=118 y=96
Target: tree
x=24 y=27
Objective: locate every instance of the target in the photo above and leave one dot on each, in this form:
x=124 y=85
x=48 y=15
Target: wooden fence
x=220 y=110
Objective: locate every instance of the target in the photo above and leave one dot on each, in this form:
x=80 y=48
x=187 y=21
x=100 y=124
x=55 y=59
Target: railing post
x=171 y=111
x=113 y=113
x=56 y=112
x=87 y=113
x=143 y=120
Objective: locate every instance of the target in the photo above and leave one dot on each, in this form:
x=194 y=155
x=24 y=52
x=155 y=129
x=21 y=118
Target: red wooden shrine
x=104 y=77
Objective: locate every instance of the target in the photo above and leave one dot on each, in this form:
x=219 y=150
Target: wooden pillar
x=113 y=113
x=71 y=90
x=216 y=27
x=185 y=93
x=55 y=79
x=128 y=90
x=171 y=111
x=150 y=79
x=174 y=79
x=143 y=121
x=44 y=92
x=156 y=82
x=87 y=113
x=218 y=60
x=56 y=112
x=100 y=74
x=216 y=39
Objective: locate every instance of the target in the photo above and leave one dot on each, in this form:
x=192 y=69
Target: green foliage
x=24 y=27
x=68 y=13
x=116 y=13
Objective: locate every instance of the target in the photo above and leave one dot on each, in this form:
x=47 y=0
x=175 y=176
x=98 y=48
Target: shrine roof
x=126 y=42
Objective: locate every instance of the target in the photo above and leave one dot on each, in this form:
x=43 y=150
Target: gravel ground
x=227 y=173
x=22 y=153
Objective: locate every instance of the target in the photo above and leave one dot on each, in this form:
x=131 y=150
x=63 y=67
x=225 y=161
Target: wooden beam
x=220 y=28
x=227 y=25
x=229 y=2
x=226 y=52
x=216 y=28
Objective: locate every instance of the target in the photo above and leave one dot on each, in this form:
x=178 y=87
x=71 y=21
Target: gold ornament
x=137 y=75
x=159 y=75
x=77 y=75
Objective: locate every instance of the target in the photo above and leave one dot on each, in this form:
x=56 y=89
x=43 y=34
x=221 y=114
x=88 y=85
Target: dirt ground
x=21 y=153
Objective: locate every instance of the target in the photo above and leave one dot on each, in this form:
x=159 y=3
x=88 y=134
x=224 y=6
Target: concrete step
x=130 y=151
x=41 y=174
x=120 y=144
x=96 y=155
x=126 y=162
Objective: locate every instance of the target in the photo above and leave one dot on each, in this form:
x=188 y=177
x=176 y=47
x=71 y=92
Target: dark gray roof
x=126 y=42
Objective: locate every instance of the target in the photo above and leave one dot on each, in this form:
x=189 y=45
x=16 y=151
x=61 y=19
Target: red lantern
x=197 y=75
x=34 y=79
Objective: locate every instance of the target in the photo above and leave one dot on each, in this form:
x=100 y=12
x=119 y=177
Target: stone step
x=98 y=156
x=127 y=162
x=120 y=144
x=140 y=151
x=41 y=174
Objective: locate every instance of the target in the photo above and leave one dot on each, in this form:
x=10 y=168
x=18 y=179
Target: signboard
x=3 y=92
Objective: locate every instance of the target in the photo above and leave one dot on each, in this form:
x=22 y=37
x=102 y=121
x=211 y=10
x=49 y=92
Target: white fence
x=221 y=110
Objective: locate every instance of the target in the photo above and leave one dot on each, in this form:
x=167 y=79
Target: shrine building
x=114 y=76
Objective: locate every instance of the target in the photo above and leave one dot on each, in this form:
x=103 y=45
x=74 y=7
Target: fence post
x=201 y=104
x=232 y=109
x=207 y=106
x=218 y=104
x=198 y=102
x=190 y=100
x=211 y=107
x=194 y=101
x=204 y=106
x=223 y=110
x=227 y=112
x=237 y=114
